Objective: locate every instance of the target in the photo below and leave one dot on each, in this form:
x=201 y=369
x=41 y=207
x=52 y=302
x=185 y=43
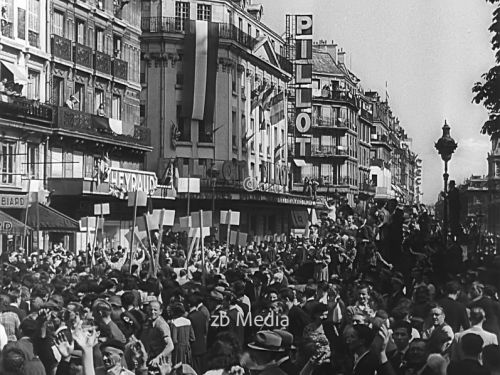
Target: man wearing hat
x=264 y=353
x=285 y=363
x=112 y=355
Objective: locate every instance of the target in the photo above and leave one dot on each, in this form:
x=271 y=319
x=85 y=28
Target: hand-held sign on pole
x=137 y=198
x=204 y=269
x=229 y=218
x=165 y=218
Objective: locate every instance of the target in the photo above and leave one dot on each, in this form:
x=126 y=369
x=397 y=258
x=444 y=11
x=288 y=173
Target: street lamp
x=445 y=146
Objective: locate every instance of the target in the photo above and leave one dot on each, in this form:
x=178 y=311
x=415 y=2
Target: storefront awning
x=299 y=163
x=19 y=76
x=50 y=220
x=10 y=225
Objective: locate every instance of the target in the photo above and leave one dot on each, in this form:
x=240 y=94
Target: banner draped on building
x=200 y=70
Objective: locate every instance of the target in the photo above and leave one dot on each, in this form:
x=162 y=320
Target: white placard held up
x=234 y=220
x=188 y=185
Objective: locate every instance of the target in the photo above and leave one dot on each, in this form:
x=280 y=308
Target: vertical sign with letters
x=303 y=72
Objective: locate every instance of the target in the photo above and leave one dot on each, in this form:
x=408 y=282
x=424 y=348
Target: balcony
x=367 y=116
x=176 y=26
x=25 y=110
x=102 y=62
x=329 y=122
x=120 y=69
x=328 y=151
x=82 y=123
x=231 y=32
x=381 y=140
x=339 y=96
x=83 y=55
x=8 y=30
x=33 y=39
x=61 y=47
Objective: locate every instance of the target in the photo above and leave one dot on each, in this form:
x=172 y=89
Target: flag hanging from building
x=277 y=108
x=200 y=69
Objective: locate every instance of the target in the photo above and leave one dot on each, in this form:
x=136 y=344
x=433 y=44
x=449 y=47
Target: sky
x=430 y=53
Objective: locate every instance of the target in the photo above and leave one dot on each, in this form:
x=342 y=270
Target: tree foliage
x=488 y=91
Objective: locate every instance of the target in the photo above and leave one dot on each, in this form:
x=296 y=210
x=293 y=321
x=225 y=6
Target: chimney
x=341 y=57
x=332 y=50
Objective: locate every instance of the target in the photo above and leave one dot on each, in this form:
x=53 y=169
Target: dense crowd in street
x=367 y=290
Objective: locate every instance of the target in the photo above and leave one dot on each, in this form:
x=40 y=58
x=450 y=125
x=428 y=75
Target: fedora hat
x=286 y=338
x=267 y=341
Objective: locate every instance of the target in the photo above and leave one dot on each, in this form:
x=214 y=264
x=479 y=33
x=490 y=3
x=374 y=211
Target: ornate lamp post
x=445 y=146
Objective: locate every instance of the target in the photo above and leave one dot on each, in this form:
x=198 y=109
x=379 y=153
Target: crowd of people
x=367 y=290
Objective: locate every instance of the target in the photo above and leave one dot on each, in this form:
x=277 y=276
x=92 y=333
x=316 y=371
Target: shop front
x=82 y=198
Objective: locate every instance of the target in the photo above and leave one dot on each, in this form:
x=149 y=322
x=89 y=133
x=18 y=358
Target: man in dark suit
x=401 y=334
x=297 y=317
x=199 y=322
x=456 y=313
x=472 y=346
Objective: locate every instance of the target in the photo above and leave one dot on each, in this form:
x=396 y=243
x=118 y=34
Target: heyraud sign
x=131 y=180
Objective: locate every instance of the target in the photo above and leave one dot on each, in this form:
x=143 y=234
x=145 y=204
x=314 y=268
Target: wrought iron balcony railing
x=329 y=122
x=87 y=123
x=61 y=47
x=83 y=55
x=317 y=150
x=120 y=69
x=33 y=39
x=8 y=29
x=176 y=26
x=22 y=109
x=102 y=62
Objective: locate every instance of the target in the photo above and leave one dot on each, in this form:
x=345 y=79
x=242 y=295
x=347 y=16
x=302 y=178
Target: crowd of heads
x=366 y=289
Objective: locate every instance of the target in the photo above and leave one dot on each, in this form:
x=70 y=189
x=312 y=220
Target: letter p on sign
x=304 y=25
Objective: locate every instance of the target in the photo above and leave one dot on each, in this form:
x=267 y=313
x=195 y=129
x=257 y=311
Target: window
x=116 y=107
x=21 y=23
x=249 y=29
x=7 y=165
x=99 y=40
x=117 y=47
x=80 y=95
x=34 y=16
x=257 y=33
x=77 y=165
x=181 y=14
x=204 y=12
x=33 y=84
x=80 y=31
x=183 y=125
x=56 y=164
x=58 y=23
x=240 y=23
x=235 y=129
x=89 y=166
x=68 y=164
x=90 y=37
x=98 y=99
x=33 y=158
x=58 y=91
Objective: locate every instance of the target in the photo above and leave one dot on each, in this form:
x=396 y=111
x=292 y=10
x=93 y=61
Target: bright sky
x=431 y=52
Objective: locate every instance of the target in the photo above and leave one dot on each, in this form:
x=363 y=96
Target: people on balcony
x=72 y=101
x=100 y=110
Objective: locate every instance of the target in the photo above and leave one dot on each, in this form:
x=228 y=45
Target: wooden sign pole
x=132 y=251
x=202 y=245
x=160 y=240
x=152 y=257
x=228 y=234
